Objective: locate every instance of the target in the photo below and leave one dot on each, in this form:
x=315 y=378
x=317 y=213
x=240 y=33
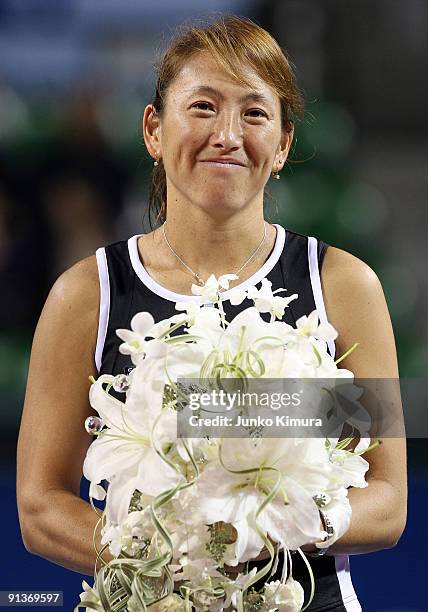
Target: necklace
x=195 y=274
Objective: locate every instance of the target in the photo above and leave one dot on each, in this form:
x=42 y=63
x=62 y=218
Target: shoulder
x=343 y=272
x=73 y=301
x=78 y=285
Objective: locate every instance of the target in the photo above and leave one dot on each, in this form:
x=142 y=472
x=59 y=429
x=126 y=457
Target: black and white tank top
x=293 y=264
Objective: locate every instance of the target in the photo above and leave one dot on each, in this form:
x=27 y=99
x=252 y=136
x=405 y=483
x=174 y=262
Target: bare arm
x=55 y=522
x=356 y=307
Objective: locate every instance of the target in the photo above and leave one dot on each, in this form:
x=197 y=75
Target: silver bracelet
x=328 y=527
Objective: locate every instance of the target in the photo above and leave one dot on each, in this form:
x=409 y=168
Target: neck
x=212 y=246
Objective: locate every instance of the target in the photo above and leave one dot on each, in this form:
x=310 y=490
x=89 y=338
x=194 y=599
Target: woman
x=219 y=127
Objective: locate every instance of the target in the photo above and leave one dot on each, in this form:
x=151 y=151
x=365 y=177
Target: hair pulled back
x=237 y=44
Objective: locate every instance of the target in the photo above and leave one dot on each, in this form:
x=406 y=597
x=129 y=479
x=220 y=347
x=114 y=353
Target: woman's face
x=219 y=140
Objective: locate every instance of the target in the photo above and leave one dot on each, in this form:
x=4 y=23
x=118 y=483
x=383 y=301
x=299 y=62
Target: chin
x=218 y=204
x=220 y=207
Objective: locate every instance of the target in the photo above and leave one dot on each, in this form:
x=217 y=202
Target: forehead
x=202 y=72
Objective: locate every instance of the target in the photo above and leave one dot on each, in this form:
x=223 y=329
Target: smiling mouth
x=225 y=164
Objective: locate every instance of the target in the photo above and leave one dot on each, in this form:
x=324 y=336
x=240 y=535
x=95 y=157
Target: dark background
x=74 y=79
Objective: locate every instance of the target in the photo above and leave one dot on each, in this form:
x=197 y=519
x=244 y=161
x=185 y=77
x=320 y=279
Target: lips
x=223 y=161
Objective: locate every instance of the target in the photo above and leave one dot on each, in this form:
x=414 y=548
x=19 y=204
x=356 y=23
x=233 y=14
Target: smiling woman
x=229 y=83
x=216 y=164
x=220 y=125
x=230 y=139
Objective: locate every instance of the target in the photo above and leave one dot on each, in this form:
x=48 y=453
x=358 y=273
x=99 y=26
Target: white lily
x=198 y=570
x=310 y=326
x=96 y=491
x=89 y=595
x=249 y=332
x=190 y=537
x=206 y=325
x=210 y=290
x=135 y=343
x=284 y=597
x=291 y=517
x=307 y=350
x=124 y=537
x=233 y=587
x=192 y=309
x=265 y=300
x=123 y=454
x=351 y=467
x=145 y=396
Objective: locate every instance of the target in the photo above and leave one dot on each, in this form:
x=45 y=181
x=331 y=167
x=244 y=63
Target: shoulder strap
x=104 y=304
x=117 y=281
x=315 y=258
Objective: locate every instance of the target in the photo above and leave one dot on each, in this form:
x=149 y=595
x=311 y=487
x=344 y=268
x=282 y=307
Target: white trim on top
x=349 y=597
x=104 y=305
x=154 y=286
x=316 y=287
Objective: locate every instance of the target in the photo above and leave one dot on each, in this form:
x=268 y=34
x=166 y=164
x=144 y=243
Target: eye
x=257 y=113
x=203 y=106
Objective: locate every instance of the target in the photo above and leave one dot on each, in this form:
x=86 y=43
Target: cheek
x=183 y=142
x=261 y=147
x=263 y=158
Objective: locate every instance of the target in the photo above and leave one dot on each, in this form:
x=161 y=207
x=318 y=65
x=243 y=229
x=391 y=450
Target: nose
x=227 y=133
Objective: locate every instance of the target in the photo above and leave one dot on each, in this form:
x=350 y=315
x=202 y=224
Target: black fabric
x=129 y=295
x=322 y=248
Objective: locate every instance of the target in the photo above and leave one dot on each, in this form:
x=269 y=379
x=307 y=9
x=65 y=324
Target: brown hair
x=236 y=43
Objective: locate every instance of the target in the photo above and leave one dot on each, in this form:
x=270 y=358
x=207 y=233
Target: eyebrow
x=257 y=96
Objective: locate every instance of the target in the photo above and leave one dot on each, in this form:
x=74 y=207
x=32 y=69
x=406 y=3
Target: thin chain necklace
x=195 y=274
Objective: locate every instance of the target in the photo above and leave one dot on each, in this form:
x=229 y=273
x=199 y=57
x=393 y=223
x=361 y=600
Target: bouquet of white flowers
x=181 y=512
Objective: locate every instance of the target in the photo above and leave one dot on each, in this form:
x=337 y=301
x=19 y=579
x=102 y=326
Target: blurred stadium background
x=74 y=78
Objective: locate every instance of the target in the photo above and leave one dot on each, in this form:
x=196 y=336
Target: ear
x=152 y=131
x=284 y=147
